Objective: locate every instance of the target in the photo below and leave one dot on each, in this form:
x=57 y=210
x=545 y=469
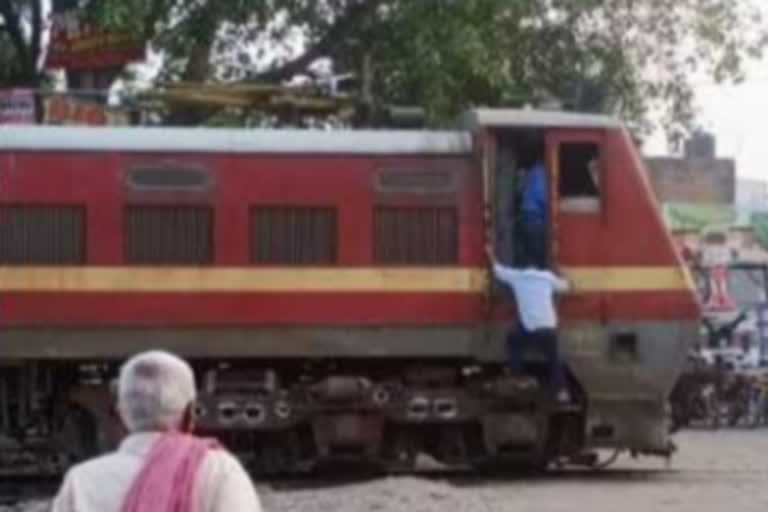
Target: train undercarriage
x=293 y=418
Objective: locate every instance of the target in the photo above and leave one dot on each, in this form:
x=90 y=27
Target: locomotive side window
x=579 y=176
x=416 y=235
x=42 y=234
x=163 y=235
x=167 y=176
x=302 y=235
x=416 y=181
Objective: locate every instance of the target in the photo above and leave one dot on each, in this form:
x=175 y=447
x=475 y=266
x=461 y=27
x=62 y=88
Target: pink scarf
x=166 y=482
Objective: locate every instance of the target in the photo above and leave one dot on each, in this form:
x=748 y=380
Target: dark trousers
x=534 y=241
x=543 y=340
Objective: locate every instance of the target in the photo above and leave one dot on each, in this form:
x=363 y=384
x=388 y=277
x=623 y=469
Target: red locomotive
x=331 y=288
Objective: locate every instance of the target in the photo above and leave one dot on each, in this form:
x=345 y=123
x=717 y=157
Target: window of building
x=580 y=176
x=161 y=234
x=42 y=234
x=300 y=235
x=416 y=235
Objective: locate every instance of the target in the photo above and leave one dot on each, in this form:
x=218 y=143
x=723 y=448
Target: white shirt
x=534 y=290
x=101 y=484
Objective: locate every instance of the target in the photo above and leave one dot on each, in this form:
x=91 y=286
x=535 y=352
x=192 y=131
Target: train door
x=505 y=153
x=576 y=166
x=575 y=162
x=516 y=150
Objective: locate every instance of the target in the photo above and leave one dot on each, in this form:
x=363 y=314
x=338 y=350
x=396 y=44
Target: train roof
x=224 y=140
x=287 y=141
x=500 y=117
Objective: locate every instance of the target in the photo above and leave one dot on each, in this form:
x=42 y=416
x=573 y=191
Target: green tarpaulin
x=696 y=216
x=702 y=216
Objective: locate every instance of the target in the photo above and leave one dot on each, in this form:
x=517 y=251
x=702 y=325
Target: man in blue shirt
x=533 y=214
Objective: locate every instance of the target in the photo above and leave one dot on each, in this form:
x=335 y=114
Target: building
x=696 y=177
x=720 y=225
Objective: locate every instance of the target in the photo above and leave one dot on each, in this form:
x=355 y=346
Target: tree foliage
x=622 y=56
x=22 y=27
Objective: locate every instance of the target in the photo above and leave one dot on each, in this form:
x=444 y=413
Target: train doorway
x=518 y=151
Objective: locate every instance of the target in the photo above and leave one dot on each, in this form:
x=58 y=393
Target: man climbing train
x=534 y=287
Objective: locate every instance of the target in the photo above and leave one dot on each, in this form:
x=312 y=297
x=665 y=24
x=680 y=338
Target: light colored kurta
x=101 y=484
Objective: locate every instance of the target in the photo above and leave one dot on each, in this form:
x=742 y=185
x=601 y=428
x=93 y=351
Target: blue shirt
x=534 y=195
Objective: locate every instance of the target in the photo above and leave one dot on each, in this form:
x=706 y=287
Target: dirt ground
x=713 y=471
x=717 y=471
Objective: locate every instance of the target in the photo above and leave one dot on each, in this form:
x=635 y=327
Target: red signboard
x=80 y=44
x=64 y=110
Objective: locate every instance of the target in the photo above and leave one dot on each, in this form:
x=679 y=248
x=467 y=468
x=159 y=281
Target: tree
x=21 y=42
x=620 y=56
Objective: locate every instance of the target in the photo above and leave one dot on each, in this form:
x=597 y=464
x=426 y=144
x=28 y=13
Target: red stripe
x=651 y=305
x=622 y=306
x=156 y=309
x=164 y=309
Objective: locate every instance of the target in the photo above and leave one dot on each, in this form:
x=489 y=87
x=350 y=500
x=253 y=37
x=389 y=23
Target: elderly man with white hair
x=159 y=466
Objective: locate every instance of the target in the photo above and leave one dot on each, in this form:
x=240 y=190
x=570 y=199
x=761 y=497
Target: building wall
x=692 y=179
x=697 y=177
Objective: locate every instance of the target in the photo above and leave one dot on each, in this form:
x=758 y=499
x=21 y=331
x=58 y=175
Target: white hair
x=154 y=389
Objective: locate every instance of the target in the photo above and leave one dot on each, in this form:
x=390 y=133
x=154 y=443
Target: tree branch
x=153 y=16
x=13 y=27
x=197 y=69
x=334 y=36
x=37 y=32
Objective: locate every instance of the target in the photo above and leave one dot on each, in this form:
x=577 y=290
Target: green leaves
x=619 y=56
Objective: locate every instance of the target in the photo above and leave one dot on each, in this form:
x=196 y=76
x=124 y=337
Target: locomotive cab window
x=580 y=176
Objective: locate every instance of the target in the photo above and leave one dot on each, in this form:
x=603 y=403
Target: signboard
x=17 y=106
x=80 y=44
x=65 y=110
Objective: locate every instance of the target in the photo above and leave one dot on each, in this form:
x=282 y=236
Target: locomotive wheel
x=277 y=457
x=76 y=436
x=531 y=463
x=402 y=448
